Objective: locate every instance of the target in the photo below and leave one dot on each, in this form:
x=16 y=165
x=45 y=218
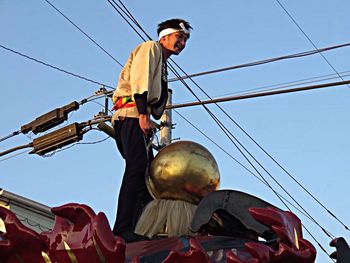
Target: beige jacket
x=142 y=72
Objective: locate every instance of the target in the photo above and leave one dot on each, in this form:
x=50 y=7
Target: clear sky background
x=307 y=132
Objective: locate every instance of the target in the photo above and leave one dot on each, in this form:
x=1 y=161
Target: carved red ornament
x=79 y=235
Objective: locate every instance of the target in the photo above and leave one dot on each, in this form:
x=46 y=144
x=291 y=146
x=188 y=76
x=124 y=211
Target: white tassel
x=163 y=216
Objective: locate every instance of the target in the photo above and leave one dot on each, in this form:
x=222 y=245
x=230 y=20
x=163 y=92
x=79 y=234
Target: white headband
x=168 y=31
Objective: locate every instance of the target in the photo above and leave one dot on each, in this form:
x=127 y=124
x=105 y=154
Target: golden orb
x=183 y=170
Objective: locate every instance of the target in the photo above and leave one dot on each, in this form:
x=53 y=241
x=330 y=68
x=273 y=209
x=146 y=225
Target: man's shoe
x=130 y=237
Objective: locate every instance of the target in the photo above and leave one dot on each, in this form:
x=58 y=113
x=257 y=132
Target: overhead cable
x=54 y=67
x=10 y=135
x=289 y=84
x=308 y=38
x=116 y=6
x=264 y=61
x=72 y=145
x=283 y=85
x=131 y=17
x=14 y=155
x=82 y=31
x=259 y=94
x=16 y=149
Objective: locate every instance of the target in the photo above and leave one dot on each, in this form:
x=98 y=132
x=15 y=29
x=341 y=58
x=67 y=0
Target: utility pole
x=166 y=122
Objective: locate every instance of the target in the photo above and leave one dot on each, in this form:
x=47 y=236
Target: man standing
x=142 y=91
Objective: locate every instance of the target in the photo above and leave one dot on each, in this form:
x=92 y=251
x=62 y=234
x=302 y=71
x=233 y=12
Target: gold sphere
x=183 y=170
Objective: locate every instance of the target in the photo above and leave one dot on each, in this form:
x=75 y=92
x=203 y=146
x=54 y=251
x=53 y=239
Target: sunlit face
x=174 y=43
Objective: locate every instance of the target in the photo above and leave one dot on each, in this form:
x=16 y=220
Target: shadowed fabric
x=163 y=216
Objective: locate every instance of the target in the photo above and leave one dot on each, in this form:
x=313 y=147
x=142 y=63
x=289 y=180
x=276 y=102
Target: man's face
x=174 y=43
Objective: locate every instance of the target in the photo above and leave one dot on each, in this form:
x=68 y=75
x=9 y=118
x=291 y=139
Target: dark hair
x=173 y=23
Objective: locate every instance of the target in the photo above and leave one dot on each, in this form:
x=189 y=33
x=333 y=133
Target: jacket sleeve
x=144 y=65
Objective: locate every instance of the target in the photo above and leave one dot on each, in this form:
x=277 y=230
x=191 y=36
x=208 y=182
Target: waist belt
x=123 y=102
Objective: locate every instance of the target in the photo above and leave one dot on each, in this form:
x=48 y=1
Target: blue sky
x=306 y=132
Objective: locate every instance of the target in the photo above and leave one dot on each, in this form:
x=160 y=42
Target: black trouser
x=133 y=194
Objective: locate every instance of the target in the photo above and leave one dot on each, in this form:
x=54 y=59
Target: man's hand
x=146 y=125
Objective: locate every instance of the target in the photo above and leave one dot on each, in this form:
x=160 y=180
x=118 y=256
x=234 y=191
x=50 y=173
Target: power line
x=16 y=149
x=101 y=106
x=260 y=94
x=14 y=155
x=285 y=84
x=264 y=61
x=82 y=31
x=54 y=67
x=291 y=83
x=116 y=6
x=74 y=144
x=10 y=135
x=131 y=17
x=309 y=39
